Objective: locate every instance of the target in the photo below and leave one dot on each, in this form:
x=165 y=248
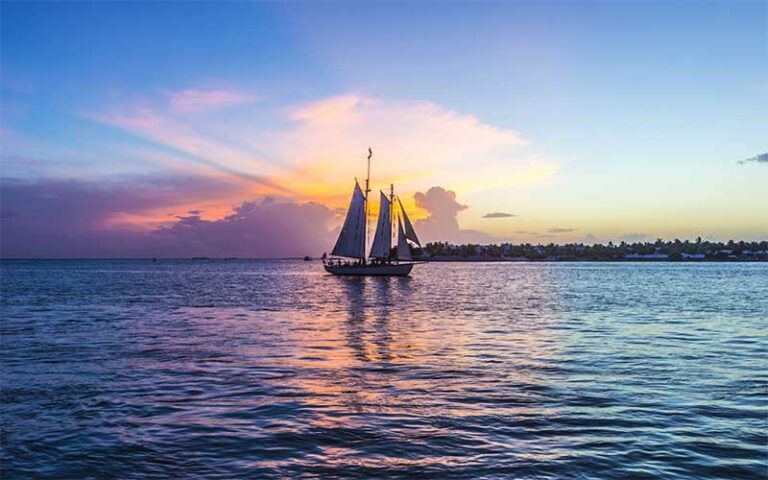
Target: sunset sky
x=143 y=129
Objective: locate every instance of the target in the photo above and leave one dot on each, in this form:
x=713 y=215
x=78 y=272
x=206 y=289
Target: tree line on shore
x=659 y=250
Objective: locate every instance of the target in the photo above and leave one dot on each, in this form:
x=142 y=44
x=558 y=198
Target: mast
x=367 y=191
x=391 y=210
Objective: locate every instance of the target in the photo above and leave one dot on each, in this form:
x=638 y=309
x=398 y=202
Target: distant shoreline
x=676 y=251
x=579 y=260
x=424 y=260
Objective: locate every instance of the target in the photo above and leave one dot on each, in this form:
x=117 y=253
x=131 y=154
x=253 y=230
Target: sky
x=206 y=129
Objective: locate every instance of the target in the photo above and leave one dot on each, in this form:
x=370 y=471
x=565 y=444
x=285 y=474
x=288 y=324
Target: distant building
x=693 y=256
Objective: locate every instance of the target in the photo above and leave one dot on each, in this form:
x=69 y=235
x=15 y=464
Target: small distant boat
x=307 y=258
x=348 y=255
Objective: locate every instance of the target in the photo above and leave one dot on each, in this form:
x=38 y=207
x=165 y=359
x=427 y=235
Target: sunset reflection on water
x=223 y=369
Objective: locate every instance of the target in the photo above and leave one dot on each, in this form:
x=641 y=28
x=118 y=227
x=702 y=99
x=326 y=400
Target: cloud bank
x=263 y=228
x=54 y=218
x=69 y=218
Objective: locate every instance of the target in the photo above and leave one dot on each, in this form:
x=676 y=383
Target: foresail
x=403 y=250
x=351 y=242
x=410 y=233
x=382 y=240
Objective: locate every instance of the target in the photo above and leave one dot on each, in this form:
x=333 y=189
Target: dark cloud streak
x=762 y=158
x=499 y=215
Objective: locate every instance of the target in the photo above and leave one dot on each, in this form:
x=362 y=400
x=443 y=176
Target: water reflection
x=372 y=306
x=355 y=324
x=558 y=371
x=382 y=338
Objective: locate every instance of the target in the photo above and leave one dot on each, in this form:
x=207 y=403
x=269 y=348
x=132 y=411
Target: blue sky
x=632 y=115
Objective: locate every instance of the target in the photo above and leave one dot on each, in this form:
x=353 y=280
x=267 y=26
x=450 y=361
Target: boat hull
x=386 y=270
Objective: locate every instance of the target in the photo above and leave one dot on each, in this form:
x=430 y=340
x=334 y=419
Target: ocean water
x=274 y=369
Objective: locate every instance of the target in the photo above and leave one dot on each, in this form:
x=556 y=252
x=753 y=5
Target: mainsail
x=403 y=250
x=410 y=233
x=351 y=242
x=382 y=240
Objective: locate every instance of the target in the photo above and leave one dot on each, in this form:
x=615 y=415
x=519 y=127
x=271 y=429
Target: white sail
x=410 y=233
x=382 y=240
x=403 y=250
x=351 y=242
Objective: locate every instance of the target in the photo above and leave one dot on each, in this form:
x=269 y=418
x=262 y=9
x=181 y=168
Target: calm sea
x=273 y=369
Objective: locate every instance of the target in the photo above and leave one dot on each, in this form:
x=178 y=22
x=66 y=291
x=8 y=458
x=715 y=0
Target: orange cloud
x=416 y=145
x=313 y=151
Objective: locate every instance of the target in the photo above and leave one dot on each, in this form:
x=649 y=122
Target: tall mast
x=391 y=210
x=367 y=190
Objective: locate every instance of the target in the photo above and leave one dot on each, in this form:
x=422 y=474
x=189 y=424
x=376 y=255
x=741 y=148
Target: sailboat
x=348 y=256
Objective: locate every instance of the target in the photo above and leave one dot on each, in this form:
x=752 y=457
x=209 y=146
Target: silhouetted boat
x=348 y=255
x=307 y=258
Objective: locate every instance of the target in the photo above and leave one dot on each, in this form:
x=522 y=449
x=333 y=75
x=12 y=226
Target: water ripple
x=272 y=369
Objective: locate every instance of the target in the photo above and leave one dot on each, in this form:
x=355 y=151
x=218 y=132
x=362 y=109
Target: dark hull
x=386 y=270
